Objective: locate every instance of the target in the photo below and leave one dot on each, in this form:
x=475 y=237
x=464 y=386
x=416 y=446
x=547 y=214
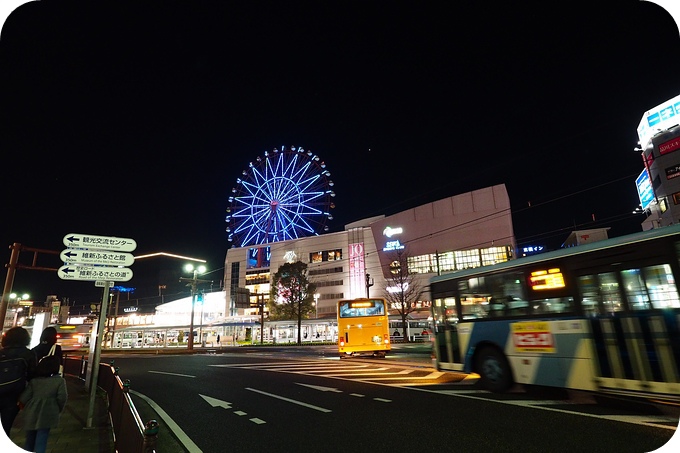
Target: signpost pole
x=97 y=353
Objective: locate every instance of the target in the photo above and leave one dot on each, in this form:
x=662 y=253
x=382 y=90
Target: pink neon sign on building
x=357 y=270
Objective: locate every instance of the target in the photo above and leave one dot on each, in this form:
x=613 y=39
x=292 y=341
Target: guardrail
x=130 y=433
x=417 y=338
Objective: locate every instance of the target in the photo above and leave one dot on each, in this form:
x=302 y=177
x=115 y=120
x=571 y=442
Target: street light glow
x=199 y=269
x=194 y=281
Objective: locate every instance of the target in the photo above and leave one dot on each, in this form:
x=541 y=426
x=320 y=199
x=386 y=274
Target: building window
x=462 y=259
x=325 y=255
x=332 y=270
x=234 y=275
x=494 y=255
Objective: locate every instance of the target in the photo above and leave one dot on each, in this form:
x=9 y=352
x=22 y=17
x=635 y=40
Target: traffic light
x=199 y=297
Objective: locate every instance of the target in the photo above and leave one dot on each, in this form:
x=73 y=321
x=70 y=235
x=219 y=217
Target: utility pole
x=261 y=297
x=193 y=282
x=12 y=266
x=369 y=283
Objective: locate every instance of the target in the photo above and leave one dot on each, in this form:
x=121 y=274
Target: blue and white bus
x=601 y=317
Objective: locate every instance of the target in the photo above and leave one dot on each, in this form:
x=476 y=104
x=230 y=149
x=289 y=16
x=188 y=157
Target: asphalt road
x=307 y=399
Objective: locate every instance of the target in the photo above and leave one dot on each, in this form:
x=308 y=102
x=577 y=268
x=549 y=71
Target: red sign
x=669 y=146
x=533 y=340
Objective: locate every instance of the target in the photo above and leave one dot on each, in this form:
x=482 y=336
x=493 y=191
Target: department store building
x=467 y=230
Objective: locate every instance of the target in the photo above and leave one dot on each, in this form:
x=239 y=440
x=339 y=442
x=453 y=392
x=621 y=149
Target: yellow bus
x=73 y=337
x=363 y=327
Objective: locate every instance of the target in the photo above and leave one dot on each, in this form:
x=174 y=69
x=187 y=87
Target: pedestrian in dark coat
x=15 y=345
x=42 y=402
x=48 y=337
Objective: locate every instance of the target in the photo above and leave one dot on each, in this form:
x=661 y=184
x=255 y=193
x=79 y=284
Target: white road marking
x=170 y=423
x=434 y=375
x=214 y=402
x=647 y=420
x=172 y=374
x=300 y=403
x=320 y=388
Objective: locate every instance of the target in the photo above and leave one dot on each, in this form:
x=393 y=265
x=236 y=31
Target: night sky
x=135 y=118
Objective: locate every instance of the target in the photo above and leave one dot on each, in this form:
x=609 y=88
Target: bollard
x=150 y=436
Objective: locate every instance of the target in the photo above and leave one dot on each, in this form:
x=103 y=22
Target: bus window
x=635 y=290
x=661 y=286
x=609 y=291
x=589 y=295
x=553 y=305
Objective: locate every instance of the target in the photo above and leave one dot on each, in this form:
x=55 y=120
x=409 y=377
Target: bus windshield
x=355 y=309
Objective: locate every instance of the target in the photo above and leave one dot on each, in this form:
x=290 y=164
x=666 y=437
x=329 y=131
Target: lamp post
x=369 y=283
x=316 y=305
x=193 y=283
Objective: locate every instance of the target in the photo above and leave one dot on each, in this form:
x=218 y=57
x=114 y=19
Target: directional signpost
x=94 y=273
x=101 y=259
x=88 y=241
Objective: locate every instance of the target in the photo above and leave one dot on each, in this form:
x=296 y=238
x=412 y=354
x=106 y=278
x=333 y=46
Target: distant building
x=581 y=237
x=659 y=182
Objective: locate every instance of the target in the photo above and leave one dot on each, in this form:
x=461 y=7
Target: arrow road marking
x=300 y=403
x=214 y=402
x=320 y=388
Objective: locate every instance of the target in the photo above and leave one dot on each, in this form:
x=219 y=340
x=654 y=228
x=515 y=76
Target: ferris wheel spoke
x=285 y=195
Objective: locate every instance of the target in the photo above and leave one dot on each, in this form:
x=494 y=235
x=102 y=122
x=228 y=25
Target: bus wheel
x=494 y=370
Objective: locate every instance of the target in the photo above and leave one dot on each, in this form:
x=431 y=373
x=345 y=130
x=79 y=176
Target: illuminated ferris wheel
x=284 y=195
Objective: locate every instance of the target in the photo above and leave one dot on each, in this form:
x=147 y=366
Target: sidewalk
x=72 y=434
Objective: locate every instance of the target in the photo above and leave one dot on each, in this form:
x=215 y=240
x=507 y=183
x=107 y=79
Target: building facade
x=458 y=232
x=659 y=182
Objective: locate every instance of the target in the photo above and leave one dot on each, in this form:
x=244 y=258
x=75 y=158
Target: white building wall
x=472 y=220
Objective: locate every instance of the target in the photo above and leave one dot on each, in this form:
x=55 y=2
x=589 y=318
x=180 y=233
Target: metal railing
x=130 y=433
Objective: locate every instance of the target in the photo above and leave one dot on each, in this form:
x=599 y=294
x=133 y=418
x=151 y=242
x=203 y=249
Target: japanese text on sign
x=92 y=273
x=532 y=337
x=87 y=241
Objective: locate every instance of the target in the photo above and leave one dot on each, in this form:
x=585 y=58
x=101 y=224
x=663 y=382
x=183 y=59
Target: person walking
x=42 y=403
x=17 y=367
x=48 y=338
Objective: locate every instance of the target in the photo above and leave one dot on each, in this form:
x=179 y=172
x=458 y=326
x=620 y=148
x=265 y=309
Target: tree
x=292 y=294
x=403 y=288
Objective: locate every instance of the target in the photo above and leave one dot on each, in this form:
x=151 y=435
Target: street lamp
x=316 y=305
x=15 y=300
x=194 y=281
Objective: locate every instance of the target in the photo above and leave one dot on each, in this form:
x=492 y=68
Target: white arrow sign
x=214 y=402
x=88 y=241
x=92 y=273
x=101 y=257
